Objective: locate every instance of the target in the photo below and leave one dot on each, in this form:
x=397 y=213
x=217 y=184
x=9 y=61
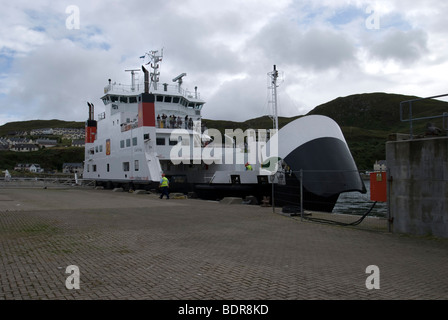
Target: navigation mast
x=154 y=59
x=273 y=86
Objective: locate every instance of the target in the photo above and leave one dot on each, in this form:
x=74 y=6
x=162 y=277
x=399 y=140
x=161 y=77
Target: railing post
x=301 y=195
x=389 y=182
x=272 y=177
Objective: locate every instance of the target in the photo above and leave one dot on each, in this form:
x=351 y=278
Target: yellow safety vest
x=164 y=182
x=249 y=167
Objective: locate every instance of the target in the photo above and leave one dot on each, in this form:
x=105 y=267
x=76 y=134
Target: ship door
x=235 y=178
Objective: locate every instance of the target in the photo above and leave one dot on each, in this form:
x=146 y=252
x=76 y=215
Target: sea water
x=357 y=203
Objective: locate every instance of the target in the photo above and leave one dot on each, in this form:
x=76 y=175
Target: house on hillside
x=24 y=147
x=46 y=143
x=29 y=167
x=380 y=165
x=17 y=140
x=78 y=143
x=45 y=131
x=72 y=168
x=17 y=133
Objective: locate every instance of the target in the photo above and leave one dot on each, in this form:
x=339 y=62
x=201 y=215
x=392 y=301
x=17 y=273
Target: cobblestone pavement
x=134 y=246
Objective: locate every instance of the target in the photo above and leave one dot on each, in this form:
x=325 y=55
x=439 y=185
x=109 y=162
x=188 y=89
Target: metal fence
x=20 y=182
x=411 y=119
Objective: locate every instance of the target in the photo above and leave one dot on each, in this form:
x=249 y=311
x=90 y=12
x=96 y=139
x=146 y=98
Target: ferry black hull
x=287 y=195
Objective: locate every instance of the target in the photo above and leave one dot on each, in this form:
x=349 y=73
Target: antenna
x=273 y=86
x=132 y=77
x=179 y=79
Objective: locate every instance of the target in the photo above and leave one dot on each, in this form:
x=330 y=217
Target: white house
x=380 y=165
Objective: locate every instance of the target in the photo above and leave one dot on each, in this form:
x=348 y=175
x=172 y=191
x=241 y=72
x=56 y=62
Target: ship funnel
x=146 y=79
x=91 y=111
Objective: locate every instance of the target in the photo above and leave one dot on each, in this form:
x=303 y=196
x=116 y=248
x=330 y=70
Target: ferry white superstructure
x=130 y=142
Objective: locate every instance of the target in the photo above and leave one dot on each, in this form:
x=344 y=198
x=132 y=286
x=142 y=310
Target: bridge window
x=176 y=99
x=132 y=99
x=125 y=166
x=168 y=99
x=159 y=98
x=124 y=99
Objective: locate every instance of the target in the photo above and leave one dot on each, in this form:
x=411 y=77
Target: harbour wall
x=418 y=186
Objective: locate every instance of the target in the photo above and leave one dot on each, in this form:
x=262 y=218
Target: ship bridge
x=171 y=101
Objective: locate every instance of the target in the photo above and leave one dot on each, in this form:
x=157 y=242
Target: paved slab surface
x=130 y=246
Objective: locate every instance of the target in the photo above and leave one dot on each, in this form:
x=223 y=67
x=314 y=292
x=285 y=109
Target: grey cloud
x=315 y=49
x=400 y=46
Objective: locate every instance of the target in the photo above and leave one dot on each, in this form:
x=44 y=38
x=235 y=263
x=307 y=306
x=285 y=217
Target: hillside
x=365 y=119
x=379 y=111
x=49 y=158
x=38 y=124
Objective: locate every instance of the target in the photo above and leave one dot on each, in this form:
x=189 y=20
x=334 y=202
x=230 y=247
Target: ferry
x=152 y=128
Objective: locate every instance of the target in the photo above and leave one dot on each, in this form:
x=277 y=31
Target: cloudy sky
x=57 y=55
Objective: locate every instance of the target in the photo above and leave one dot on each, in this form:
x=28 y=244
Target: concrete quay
x=138 y=247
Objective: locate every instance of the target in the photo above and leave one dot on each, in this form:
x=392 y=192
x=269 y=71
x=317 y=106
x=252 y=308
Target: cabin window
x=125 y=166
x=146 y=136
x=176 y=99
x=159 y=99
x=108 y=167
x=134 y=141
x=122 y=144
x=262 y=179
x=128 y=142
x=132 y=99
x=168 y=99
x=88 y=168
x=113 y=98
x=173 y=142
x=96 y=149
x=160 y=141
x=136 y=165
x=191 y=105
x=235 y=178
x=124 y=99
x=101 y=148
x=94 y=167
